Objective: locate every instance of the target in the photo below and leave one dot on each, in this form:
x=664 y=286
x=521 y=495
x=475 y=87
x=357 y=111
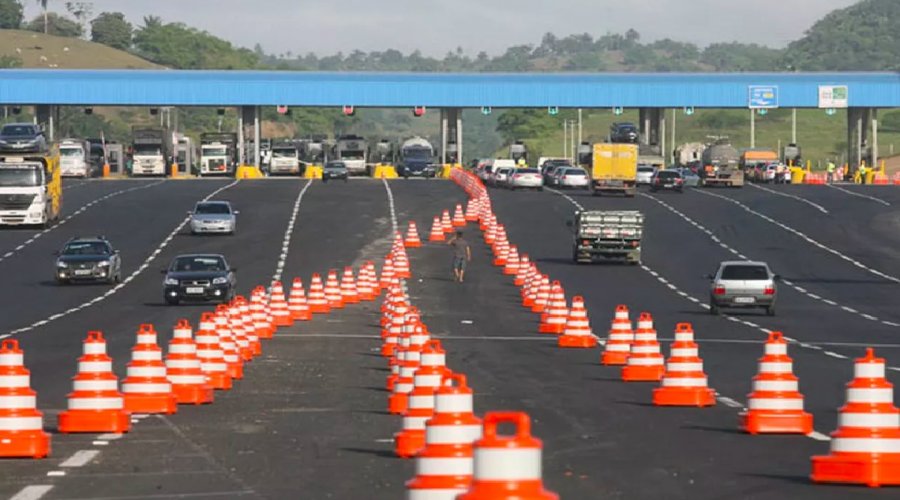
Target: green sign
x=553 y=110
x=689 y=110
x=762 y=111
x=618 y=110
x=485 y=110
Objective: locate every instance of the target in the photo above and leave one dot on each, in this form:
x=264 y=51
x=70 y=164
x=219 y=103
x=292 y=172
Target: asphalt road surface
x=309 y=419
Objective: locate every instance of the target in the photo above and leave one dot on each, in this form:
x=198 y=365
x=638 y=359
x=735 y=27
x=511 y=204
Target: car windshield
x=212 y=208
x=214 y=151
x=71 y=152
x=745 y=272
x=335 y=165
x=668 y=175
x=528 y=171
x=198 y=263
x=86 y=248
x=17 y=130
x=20 y=177
x=645 y=169
x=284 y=153
x=146 y=150
x=577 y=172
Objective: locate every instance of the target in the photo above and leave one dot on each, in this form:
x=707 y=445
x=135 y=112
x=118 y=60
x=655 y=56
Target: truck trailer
x=614 y=169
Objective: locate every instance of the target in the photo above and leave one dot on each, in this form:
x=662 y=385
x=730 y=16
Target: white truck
x=352 y=150
x=604 y=235
x=152 y=151
x=218 y=153
x=30 y=190
x=285 y=159
x=75 y=158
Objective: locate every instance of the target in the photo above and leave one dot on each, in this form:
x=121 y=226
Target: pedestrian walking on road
x=462 y=254
x=830 y=170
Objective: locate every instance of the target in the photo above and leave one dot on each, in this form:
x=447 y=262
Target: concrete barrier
x=312 y=172
x=248 y=172
x=384 y=171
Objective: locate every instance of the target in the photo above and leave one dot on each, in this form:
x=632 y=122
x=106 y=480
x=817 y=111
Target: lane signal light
x=349 y=110
x=553 y=110
x=282 y=109
x=617 y=110
x=486 y=110
x=689 y=110
x=419 y=111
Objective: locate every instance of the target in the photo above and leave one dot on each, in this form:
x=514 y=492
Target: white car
x=645 y=174
x=500 y=176
x=213 y=217
x=526 y=178
x=571 y=177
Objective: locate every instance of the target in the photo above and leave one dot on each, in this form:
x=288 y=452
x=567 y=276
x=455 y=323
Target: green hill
x=37 y=50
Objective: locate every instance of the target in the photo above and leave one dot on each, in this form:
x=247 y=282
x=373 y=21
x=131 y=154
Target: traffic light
x=349 y=110
x=762 y=111
x=689 y=110
x=282 y=109
x=486 y=110
x=617 y=110
x=419 y=111
x=553 y=110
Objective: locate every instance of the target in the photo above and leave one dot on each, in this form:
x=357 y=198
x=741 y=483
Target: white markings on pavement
x=860 y=195
x=288 y=233
x=467 y=321
x=80 y=458
x=56 y=473
x=725 y=400
x=390 y=195
x=75 y=214
x=149 y=260
x=818 y=436
x=32 y=492
x=818 y=207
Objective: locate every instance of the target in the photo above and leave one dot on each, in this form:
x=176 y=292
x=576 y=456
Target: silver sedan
x=216 y=217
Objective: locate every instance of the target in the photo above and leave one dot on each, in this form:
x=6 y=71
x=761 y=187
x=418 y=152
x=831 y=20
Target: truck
x=721 y=166
x=792 y=155
x=285 y=158
x=30 y=190
x=352 y=150
x=584 y=154
x=518 y=151
x=185 y=154
x=218 y=153
x=754 y=162
x=607 y=235
x=312 y=150
x=689 y=155
x=614 y=169
x=416 y=158
x=75 y=158
x=151 y=149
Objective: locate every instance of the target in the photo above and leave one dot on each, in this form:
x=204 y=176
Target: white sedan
x=571 y=177
x=527 y=178
x=645 y=174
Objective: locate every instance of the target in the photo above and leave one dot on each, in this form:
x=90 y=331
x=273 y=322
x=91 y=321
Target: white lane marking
x=803 y=236
x=109 y=437
x=725 y=400
x=567 y=197
x=143 y=267
x=834 y=355
x=32 y=492
x=80 y=458
x=56 y=473
x=288 y=234
x=74 y=214
x=390 y=195
x=818 y=436
x=818 y=207
x=860 y=195
x=734 y=251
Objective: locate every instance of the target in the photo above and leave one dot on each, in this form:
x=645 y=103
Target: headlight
x=103 y=263
x=219 y=281
x=61 y=264
x=171 y=282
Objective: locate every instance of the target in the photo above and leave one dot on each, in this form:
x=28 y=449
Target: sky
x=437 y=26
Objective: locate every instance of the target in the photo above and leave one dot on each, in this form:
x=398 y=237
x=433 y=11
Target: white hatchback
x=526 y=178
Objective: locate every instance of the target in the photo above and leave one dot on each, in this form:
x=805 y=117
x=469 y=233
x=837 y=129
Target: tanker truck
x=720 y=165
x=416 y=158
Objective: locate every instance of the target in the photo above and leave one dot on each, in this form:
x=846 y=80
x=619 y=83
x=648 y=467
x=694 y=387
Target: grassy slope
x=37 y=50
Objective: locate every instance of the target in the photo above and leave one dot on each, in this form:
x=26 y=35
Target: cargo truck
x=218 y=153
x=30 y=190
x=416 y=158
x=613 y=235
x=75 y=158
x=518 y=151
x=614 y=169
x=152 y=151
x=312 y=151
x=352 y=150
x=792 y=155
x=285 y=159
x=721 y=166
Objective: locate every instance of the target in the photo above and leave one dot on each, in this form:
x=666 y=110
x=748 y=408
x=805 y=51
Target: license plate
x=82 y=272
x=744 y=300
x=194 y=289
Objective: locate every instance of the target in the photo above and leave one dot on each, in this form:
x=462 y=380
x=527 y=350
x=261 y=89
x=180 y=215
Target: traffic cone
x=775 y=406
x=522 y=271
x=645 y=363
x=512 y=262
x=262 y=323
x=501 y=253
x=578 y=328
x=281 y=315
x=507 y=467
x=684 y=383
x=446 y=223
x=553 y=320
x=387 y=274
x=437 y=231
x=333 y=291
x=542 y=297
x=401 y=264
x=459 y=220
x=212 y=359
x=865 y=448
x=21 y=424
x=472 y=208
x=349 y=293
x=297 y=302
x=529 y=289
x=146 y=388
x=318 y=302
x=410 y=322
x=364 y=285
x=242 y=331
x=392 y=333
x=183 y=368
x=233 y=341
x=444 y=467
x=95 y=403
x=490 y=232
x=412 y=236
x=411 y=439
x=399 y=399
x=618 y=343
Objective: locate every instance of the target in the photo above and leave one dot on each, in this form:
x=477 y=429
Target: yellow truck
x=614 y=169
x=30 y=190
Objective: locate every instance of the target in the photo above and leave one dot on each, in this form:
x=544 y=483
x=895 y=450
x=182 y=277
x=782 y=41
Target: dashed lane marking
x=288 y=234
x=818 y=207
x=80 y=458
x=818 y=436
x=725 y=400
x=860 y=195
x=32 y=492
x=436 y=336
x=143 y=267
x=390 y=195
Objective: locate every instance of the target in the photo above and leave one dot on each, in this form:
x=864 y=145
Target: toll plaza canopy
x=525 y=90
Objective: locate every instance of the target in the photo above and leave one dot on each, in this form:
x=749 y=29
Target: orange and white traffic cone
x=542 y=297
x=146 y=388
x=411 y=439
x=410 y=323
x=412 y=236
x=490 y=232
x=507 y=467
x=233 y=340
x=578 y=328
x=444 y=467
x=394 y=330
x=241 y=325
x=262 y=323
x=95 y=403
x=401 y=264
x=212 y=359
x=646 y=362
x=333 y=291
x=512 y=262
x=297 y=302
x=459 y=220
x=620 y=338
x=530 y=288
x=437 y=231
x=387 y=274
x=318 y=302
x=472 y=209
x=685 y=383
x=776 y=406
x=501 y=253
x=21 y=424
x=553 y=319
x=865 y=448
x=522 y=271
x=446 y=223
x=281 y=315
x=349 y=292
x=398 y=402
x=183 y=368
x=364 y=282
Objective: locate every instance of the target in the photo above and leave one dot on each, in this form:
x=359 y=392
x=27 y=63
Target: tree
x=55 y=25
x=10 y=62
x=178 y=46
x=111 y=29
x=81 y=11
x=43 y=4
x=10 y=14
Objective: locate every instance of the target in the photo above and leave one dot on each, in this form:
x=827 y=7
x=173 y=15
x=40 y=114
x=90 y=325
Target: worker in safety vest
x=521 y=163
x=862 y=173
x=829 y=169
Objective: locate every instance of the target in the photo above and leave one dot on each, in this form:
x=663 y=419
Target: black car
x=624 y=133
x=22 y=138
x=667 y=179
x=335 y=170
x=199 y=277
x=88 y=259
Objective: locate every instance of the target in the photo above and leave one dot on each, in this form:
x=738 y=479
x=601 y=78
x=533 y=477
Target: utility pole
x=793 y=125
x=674 y=114
x=565 y=138
x=580 y=139
x=752 y=128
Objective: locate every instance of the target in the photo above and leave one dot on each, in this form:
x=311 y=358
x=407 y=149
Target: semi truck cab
x=75 y=158
x=30 y=190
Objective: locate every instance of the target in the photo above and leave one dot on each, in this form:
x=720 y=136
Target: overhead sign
x=763 y=96
x=833 y=96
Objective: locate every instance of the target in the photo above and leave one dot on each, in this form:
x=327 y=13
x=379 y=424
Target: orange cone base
x=537 y=308
x=398 y=403
x=499 y=262
x=391 y=380
x=578 y=341
x=412 y=244
x=527 y=302
x=387 y=350
x=151 y=403
x=219 y=380
x=614 y=358
x=518 y=282
x=857 y=468
x=642 y=373
x=551 y=328
x=320 y=309
x=247 y=354
x=522 y=490
x=684 y=396
x=458 y=224
x=256 y=348
x=298 y=316
x=759 y=422
x=404 y=274
x=25 y=444
x=193 y=394
x=235 y=371
x=285 y=320
x=408 y=443
x=436 y=238
x=114 y=421
x=510 y=272
x=265 y=333
x=351 y=300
